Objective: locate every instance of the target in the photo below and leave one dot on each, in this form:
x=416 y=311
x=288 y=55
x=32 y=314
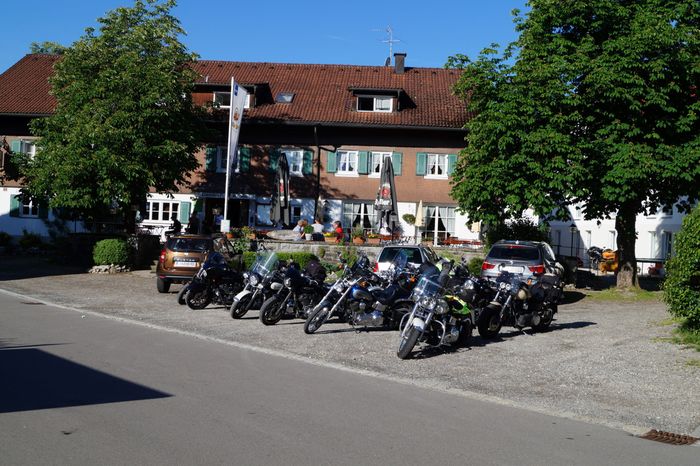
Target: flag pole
x=228 y=159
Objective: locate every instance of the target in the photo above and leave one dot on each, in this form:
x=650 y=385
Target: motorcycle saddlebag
x=315 y=270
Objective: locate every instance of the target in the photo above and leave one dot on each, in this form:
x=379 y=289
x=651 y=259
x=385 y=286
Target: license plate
x=513 y=269
x=186 y=264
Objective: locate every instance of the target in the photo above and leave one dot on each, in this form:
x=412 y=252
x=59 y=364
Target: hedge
x=111 y=251
x=301 y=258
x=682 y=284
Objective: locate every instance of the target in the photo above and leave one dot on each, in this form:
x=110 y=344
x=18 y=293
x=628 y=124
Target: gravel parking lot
x=605 y=362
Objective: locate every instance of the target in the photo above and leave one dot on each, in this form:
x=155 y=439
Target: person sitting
x=338 y=230
x=317 y=235
x=175 y=227
x=299 y=230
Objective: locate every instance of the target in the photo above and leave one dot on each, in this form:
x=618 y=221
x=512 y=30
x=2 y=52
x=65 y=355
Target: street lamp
x=573 y=230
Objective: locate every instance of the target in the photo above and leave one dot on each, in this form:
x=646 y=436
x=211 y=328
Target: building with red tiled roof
x=335 y=123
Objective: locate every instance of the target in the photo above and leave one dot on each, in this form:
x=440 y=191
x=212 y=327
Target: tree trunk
x=625 y=225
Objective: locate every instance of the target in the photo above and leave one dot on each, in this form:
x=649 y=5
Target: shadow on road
x=22 y=267
x=34 y=379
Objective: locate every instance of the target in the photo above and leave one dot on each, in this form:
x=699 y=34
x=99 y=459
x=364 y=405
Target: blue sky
x=286 y=31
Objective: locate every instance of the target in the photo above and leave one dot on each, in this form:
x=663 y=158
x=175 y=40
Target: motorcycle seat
x=385 y=296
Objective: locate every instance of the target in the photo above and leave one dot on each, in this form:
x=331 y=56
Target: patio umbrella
x=418 y=222
x=385 y=204
x=280 y=208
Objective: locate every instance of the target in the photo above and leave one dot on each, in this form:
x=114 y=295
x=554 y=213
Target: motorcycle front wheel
x=545 y=321
x=182 y=294
x=489 y=323
x=240 y=308
x=271 y=311
x=409 y=338
x=198 y=299
x=316 y=318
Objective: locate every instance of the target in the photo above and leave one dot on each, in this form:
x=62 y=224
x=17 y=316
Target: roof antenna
x=389 y=40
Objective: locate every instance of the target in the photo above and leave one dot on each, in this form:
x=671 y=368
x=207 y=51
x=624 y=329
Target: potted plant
x=308 y=232
x=358 y=235
x=329 y=236
x=409 y=218
x=373 y=238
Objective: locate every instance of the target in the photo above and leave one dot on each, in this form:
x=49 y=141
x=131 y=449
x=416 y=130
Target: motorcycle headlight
x=428 y=303
x=254 y=279
x=523 y=294
x=441 y=307
x=288 y=282
x=469 y=285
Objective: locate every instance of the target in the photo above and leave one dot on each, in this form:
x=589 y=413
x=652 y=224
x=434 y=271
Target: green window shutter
x=185 y=212
x=210 y=160
x=199 y=205
x=15 y=205
x=16 y=146
x=244 y=159
x=451 y=163
x=308 y=167
x=362 y=167
x=332 y=165
x=421 y=163
x=396 y=161
x=43 y=210
x=274 y=158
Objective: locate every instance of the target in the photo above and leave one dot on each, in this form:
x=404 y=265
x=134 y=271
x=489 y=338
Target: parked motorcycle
x=215 y=282
x=520 y=304
x=256 y=284
x=364 y=299
x=437 y=317
x=299 y=293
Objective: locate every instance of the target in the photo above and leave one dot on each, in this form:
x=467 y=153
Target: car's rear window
x=515 y=252
x=189 y=244
x=413 y=255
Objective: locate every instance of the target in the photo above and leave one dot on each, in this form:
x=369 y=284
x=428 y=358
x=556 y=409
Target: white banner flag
x=235 y=116
x=238 y=99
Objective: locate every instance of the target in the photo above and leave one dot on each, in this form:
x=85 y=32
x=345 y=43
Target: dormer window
x=284 y=97
x=378 y=103
x=223 y=99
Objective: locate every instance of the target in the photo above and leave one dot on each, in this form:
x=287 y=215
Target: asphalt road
x=87 y=389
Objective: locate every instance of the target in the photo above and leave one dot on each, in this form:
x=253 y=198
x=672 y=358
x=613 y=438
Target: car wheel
x=163 y=285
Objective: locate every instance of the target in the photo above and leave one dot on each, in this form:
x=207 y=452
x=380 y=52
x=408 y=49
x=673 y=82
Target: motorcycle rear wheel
x=489 y=323
x=182 y=294
x=240 y=308
x=465 y=334
x=271 y=311
x=407 y=342
x=198 y=300
x=545 y=322
x=316 y=319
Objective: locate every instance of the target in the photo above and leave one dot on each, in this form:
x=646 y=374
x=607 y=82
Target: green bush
x=301 y=258
x=520 y=228
x=474 y=265
x=30 y=240
x=682 y=284
x=5 y=239
x=111 y=251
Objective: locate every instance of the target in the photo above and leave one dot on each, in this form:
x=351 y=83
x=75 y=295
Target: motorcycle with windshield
x=215 y=282
x=364 y=299
x=256 y=284
x=297 y=295
x=519 y=303
x=439 y=316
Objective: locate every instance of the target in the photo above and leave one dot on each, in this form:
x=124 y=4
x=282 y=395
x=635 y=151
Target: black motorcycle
x=520 y=304
x=257 y=281
x=301 y=291
x=215 y=282
x=364 y=299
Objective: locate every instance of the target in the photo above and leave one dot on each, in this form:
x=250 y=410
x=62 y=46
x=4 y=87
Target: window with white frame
x=296 y=214
x=29 y=208
x=347 y=163
x=222 y=159
x=295 y=159
x=612 y=239
x=376 y=160
x=359 y=215
x=223 y=99
x=161 y=211
x=437 y=166
x=368 y=103
x=439 y=220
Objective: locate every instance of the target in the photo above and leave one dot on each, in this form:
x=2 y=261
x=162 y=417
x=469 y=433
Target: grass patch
x=667 y=322
x=693 y=363
x=688 y=338
x=631 y=295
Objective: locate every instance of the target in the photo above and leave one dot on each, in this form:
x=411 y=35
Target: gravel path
x=605 y=362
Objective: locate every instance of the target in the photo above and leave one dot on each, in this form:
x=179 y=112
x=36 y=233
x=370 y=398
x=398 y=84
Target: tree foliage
x=53 y=48
x=682 y=284
x=595 y=103
x=124 y=120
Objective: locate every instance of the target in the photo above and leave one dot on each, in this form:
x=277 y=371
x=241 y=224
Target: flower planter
x=358 y=241
x=329 y=239
x=308 y=236
x=373 y=240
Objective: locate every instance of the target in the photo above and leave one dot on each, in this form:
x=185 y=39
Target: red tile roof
x=322 y=92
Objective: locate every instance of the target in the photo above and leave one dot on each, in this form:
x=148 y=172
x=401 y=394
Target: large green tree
x=595 y=103
x=124 y=120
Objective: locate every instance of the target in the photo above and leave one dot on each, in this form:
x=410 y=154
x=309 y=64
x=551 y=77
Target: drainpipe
x=318 y=170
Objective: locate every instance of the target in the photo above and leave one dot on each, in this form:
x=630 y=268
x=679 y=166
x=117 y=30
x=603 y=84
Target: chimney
x=399 y=59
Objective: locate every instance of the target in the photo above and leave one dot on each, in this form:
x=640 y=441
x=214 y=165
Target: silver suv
x=527 y=258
